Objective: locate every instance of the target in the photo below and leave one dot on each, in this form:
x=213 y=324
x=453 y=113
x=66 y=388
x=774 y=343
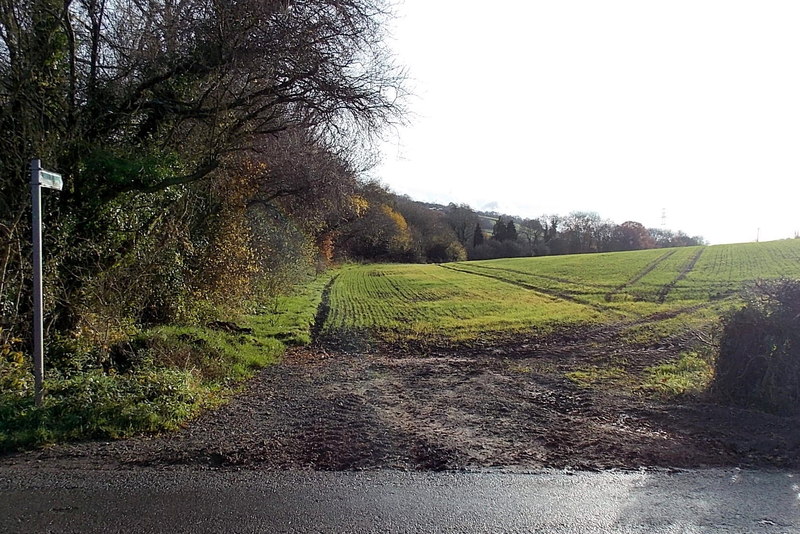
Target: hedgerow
x=759 y=360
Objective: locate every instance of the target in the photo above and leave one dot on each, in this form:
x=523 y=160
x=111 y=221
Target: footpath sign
x=39 y=178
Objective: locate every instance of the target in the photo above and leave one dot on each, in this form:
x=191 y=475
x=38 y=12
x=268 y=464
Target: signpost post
x=39 y=178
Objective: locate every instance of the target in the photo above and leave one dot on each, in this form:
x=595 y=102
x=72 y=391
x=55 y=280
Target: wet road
x=149 y=500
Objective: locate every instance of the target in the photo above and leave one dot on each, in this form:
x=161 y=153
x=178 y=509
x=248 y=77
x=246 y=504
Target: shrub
x=442 y=252
x=493 y=248
x=15 y=376
x=759 y=360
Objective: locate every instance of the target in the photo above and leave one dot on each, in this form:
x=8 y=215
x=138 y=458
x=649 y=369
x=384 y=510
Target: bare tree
x=462 y=219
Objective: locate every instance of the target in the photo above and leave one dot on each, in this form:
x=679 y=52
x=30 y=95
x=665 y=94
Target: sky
x=678 y=112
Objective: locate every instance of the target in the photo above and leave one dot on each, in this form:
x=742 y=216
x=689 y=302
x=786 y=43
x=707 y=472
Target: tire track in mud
x=687 y=268
x=606 y=333
x=641 y=274
x=544 y=276
x=558 y=295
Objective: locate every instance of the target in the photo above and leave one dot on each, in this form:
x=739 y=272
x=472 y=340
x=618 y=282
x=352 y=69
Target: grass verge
x=156 y=381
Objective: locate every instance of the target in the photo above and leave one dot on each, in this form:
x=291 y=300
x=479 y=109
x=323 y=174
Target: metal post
x=38 y=314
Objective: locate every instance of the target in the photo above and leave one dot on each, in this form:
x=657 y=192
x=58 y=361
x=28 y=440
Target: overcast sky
x=629 y=109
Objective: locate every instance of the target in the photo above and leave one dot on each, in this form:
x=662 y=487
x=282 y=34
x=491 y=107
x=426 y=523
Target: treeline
x=576 y=233
x=396 y=228
x=211 y=152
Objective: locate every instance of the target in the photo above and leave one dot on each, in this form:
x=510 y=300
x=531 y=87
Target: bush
x=443 y=252
x=15 y=376
x=759 y=360
x=493 y=249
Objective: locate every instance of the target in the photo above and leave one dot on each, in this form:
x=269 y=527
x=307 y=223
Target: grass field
x=645 y=295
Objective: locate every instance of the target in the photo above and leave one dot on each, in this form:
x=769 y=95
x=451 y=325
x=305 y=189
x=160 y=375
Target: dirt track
x=507 y=406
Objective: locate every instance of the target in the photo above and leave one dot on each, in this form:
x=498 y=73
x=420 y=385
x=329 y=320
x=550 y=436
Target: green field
x=645 y=295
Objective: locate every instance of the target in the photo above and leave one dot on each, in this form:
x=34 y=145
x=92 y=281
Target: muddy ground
x=510 y=405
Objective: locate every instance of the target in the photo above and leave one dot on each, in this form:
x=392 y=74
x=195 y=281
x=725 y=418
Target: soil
x=502 y=405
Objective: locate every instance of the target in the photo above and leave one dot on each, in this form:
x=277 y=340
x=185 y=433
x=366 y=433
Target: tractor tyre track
x=687 y=268
x=641 y=274
x=323 y=309
x=543 y=276
x=558 y=295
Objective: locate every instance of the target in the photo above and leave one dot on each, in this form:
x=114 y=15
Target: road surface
x=46 y=499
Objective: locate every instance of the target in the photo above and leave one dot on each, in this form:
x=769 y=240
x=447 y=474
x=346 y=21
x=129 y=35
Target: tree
x=303 y=176
x=632 y=235
x=462 y=219
x=380 y=231
x=511 y=231
x=551 y=225
x=497 y=249
x=500 y=230
x=531 y=231
x=201 y=77
x=662 y=238
x=432 y=231
x=477 y=236
x=582 y=232
x=667 y=238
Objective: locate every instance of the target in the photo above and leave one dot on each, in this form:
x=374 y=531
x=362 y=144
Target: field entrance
x=587 y=362
x=573 y=403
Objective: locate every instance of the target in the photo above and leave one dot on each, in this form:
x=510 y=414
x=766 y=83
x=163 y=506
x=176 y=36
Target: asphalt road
x=149 y=500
